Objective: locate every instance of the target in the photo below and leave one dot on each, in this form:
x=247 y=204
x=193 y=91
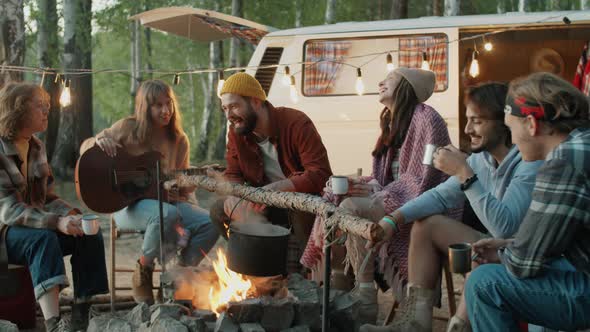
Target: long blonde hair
x=571 y=106
x=14 y=108
x=147 y=94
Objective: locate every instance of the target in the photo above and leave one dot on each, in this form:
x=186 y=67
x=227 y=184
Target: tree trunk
x=135 y=61
x=437 y=8
x=399 y=9
x=584 y=4
x=330 y=12
x=500 y=7
x=12 y=39
x=288 y=200
x=522 y=6
x=298 y=13
x=76 y=119
x=192 y=99
x=452 y=7
x=148 y=44
x=554 y=5
x=47 y=56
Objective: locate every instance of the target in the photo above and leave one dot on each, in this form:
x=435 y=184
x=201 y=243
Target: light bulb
x=293 y=90
x=176 y=79
x=425 y=64
x=474 y=68
x=65 y=99
x=390 y=65
x=360 y=86
x=488 y=46
x=287 y=76
x=220 y=82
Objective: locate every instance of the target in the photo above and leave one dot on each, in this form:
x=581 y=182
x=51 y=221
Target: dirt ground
x=128 y=247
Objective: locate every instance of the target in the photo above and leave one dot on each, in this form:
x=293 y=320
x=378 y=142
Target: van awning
x=202 y=25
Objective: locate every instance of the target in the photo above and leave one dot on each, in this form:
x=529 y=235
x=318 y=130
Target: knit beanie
x=244 y=85
x=421 y=80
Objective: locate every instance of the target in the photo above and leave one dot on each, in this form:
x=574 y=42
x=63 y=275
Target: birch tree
x=135 y=28
x=12 y=38
x=298 y=13
x=584 y=4
x=522 y=5
x=76 y=119
x=47 y=56
x=330 y=17
x=452 y=7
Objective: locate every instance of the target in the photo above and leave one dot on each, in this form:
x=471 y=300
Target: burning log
x=287 y=200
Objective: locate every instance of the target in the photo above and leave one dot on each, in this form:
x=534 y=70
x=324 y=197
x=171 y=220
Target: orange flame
x=231 y=287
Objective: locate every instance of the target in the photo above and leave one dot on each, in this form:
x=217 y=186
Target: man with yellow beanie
x=276 y=148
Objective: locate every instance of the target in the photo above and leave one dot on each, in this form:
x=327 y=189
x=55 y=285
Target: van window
x=332 y=78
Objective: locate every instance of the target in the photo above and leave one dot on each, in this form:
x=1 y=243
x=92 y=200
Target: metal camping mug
x=460 y=257
x=428 y=153
x=339 y=184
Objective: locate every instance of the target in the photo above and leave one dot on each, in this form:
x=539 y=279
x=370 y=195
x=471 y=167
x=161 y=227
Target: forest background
x=65 y=35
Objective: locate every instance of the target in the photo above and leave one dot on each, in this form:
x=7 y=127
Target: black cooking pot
x=258 y=249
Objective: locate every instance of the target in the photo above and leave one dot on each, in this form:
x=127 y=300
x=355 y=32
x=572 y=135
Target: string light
x=287 y=76
x=425 y=64
x=293 y=89
x=474 y=68
x=176 y=79
x=360 y=86
x=65 y=99
x=220 y=82
x=390 y=65
x=487 y=45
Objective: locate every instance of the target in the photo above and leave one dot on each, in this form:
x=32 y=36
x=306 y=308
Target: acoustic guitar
x=107 y=184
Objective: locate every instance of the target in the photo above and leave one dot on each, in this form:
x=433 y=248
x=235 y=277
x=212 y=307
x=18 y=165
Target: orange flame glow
x=232 y=286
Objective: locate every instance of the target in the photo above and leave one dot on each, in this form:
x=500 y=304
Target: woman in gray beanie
x=407 y=125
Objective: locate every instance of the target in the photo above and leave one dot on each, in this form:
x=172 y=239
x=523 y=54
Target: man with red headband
x=542 y=275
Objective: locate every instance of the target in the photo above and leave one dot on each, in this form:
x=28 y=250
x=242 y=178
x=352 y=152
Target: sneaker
x=142 y=283
x=57 y=324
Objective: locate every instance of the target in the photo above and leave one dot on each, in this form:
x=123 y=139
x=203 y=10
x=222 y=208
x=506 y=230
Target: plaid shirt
x=558 y=220
x=28 y=202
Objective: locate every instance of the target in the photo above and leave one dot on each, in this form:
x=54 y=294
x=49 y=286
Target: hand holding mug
x=70 y=225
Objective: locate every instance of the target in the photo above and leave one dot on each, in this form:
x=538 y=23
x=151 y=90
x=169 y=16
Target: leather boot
x=57 y=324
x=369 y=307
x=141 y=284
x=457 y=324
x=416 y=315
x=80 y=316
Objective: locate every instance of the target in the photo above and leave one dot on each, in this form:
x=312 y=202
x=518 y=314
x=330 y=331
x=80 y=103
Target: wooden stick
x=286 y=200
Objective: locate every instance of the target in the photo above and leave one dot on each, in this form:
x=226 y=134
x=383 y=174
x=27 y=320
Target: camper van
x=347 y=120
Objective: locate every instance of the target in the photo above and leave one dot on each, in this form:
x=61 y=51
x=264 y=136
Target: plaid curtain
x=410 y=55
x=318 y=77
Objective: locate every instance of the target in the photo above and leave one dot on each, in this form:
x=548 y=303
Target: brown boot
x=368 y=299
x=457 y=324
x=416 y=315
x=142 y=284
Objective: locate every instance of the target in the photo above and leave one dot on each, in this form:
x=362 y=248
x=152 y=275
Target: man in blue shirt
x=542 y=274
x=495 y=181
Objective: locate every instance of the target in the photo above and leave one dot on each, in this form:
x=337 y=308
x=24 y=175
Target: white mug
x=339 y=184
x=90 y=224
x=429 y=150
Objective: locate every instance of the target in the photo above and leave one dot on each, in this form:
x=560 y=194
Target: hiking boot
x=367 y=296
x=80 y=316
x=57 y=324
x=416 y=315
x=141 y=284
x=457 y=324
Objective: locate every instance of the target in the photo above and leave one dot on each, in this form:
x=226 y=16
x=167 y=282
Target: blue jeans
x=143 y=215
x=558 y=299
x=42 y=250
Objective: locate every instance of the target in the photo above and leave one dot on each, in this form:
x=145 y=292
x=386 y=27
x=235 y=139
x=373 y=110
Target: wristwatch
x=465 y=185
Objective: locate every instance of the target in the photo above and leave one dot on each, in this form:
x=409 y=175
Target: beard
x=248 y=122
